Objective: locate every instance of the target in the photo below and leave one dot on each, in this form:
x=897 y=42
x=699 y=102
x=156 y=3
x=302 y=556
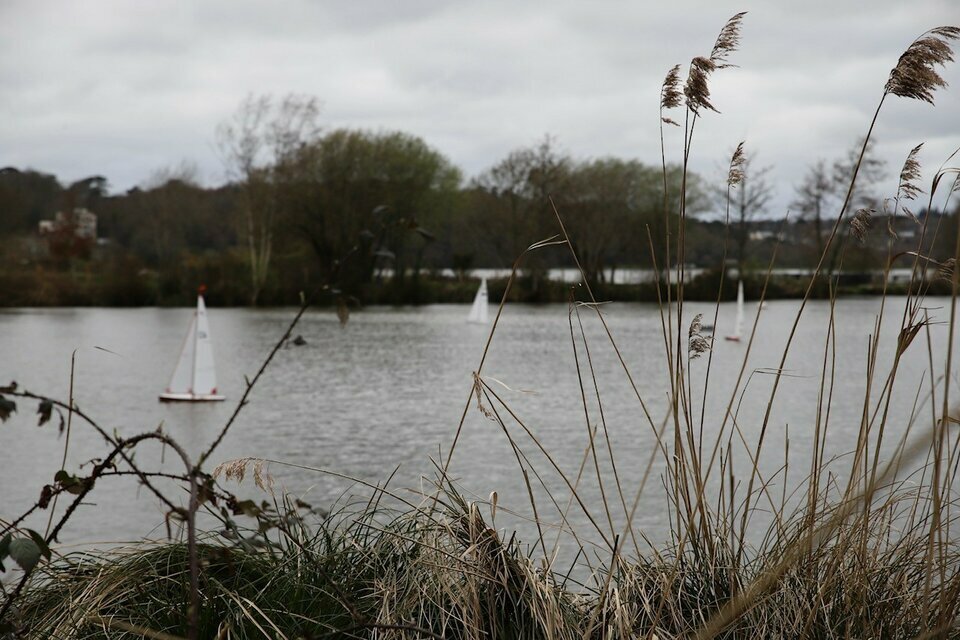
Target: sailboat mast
x=193 y=365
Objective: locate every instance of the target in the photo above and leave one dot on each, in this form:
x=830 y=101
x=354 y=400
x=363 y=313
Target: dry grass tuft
x=860 y=223
x=236 y=470
x=697 y=343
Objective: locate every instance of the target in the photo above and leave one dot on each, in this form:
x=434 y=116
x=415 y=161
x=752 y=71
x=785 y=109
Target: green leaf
x=44 y=409
x=6 y=408
x=25 y=553
x=41 y=543
x=4 y=550
x=247 y=508
x=71 y=483
x=205 y=492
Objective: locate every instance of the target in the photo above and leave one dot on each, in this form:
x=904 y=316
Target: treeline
x=374 y=215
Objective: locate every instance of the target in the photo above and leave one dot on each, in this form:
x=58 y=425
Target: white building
x=84 y=224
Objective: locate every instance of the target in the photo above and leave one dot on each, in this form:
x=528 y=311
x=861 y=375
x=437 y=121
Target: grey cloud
x=122 y=88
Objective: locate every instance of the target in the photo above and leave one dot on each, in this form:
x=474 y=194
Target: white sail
x=204 y=375
x=195 y=378
x=479 y=310
x=738 y=324
x=182 y=379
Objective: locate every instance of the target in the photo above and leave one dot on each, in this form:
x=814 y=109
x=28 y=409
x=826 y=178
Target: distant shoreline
x=428 y=291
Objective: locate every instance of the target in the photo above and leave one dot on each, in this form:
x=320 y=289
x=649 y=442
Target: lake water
x=387 y=390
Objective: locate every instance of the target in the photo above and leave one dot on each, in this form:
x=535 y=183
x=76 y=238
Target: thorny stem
x=66 y=442
x=88 y=486
x=251 y=384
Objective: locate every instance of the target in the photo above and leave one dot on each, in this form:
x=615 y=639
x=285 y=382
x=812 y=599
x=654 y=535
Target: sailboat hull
x=190 y=397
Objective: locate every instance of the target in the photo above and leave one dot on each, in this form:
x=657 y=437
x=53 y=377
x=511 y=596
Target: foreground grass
x=445 y=572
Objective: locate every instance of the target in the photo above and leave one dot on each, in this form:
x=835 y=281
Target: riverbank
x=54 y=288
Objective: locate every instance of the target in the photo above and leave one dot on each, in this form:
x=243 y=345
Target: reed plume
x=698 y=344
x=909 y=187
x=727 y=41
x=860 y=223
x=915 y=75
x=697 y=89
x=671 y=96
x=737 y=160
x=945 y=272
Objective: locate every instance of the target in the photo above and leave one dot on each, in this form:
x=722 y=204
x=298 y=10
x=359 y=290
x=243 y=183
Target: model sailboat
x=479 y=311
x=195 y=378
x=738 y=324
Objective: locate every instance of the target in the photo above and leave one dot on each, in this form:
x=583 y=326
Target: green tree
x=518 y=210
x=606 y=203
x=370 y=196
x=26 y=197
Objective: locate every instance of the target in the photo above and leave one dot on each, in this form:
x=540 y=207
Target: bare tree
x=872 y=171
x=813 y=196
x=254 y=144
x=824 y=187
x=748 y=200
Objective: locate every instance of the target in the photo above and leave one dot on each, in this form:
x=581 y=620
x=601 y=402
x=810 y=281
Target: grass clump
x=445 y=572
x=445 y=575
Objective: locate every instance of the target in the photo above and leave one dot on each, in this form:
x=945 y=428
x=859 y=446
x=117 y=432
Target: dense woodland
x=376 y=216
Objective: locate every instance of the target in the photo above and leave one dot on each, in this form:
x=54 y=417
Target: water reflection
x=388 y=390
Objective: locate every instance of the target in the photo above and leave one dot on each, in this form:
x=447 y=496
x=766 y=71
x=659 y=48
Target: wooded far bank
x=382 y=217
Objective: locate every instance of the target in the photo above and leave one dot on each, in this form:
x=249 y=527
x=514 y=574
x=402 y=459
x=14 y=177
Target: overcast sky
x=124 y=88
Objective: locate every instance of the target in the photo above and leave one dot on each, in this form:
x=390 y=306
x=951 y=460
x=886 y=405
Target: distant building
x=83 y=223
x=70 y=235
x=759 y=235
